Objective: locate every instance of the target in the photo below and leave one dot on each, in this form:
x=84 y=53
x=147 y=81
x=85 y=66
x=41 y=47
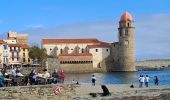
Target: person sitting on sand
x=105 y=90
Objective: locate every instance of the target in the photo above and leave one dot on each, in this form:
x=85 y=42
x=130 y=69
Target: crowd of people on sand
x=145 y=81
x=33 y=78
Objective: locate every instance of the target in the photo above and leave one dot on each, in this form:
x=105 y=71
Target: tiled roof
x=99 y=46
x=77 y=54
x=23 y=45
x=55 y=41
x=2 y=42
x=26 y=46
x=14 y=45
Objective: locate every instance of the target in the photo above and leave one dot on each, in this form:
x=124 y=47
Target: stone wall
x=77 y=68
x=36 y=93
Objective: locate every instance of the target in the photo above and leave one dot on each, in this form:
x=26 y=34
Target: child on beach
x=146 y=80
x=93 y=80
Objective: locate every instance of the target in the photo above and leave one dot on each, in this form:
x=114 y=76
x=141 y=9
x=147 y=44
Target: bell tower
x=126 y=57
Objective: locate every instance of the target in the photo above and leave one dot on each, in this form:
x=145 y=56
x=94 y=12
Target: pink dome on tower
x=126 y=17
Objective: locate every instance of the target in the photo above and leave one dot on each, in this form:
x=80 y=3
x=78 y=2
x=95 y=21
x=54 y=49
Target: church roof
x=126 y=17
x=55 y=41
x=99 y=46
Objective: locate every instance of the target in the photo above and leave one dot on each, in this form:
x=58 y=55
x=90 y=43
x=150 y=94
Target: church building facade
x=89 y=55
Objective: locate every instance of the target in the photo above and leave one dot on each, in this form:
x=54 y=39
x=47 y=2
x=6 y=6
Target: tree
x=39 y=55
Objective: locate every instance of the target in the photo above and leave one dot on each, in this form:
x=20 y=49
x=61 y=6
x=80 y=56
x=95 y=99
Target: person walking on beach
x=156 y=81
x=141 y=80
x=93 y=80
x=146 y=80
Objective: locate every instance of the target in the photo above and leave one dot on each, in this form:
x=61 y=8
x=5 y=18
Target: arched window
x=61 y=51
x=126 y=32
x=82 y=50
x=128 y=24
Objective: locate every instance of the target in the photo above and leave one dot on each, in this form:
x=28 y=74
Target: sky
x=90 y=19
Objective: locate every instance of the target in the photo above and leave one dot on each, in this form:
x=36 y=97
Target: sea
x=121 y=77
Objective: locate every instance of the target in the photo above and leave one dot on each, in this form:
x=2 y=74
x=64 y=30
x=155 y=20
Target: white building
x=58 y=47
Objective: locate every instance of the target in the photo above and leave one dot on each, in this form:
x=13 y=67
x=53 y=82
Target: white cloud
x=152 y=34
x=30 y=26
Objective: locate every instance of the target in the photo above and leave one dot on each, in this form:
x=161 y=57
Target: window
x=24 y=54
x=14 y=48
x=19 y=48
x=23 y=59
x=10 y=48
x=12 y=54
x=7 y=60
x=96 y=50
x=28 y=59
x=17 y=54
x=126 y=42
x=50 y=49
x=107 y=50
x=12 y=58
x=61 y=51
x=17 y=58
x=126 y=31
x=128 y=24
x=4 y=60
x=5 y=47
x=82 y=50
x=23 y=49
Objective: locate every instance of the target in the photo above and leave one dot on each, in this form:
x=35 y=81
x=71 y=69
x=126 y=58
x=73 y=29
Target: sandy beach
x=120 y=91
x=82 y=92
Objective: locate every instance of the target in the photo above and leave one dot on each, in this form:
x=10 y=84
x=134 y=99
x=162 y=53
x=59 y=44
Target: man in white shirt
x=146 y=80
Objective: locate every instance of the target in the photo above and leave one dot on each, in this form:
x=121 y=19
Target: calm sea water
x=120 y=77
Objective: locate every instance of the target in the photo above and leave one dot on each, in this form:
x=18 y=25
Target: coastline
x=82 y=91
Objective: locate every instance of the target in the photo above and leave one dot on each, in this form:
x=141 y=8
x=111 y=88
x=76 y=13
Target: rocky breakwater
x=45 y=92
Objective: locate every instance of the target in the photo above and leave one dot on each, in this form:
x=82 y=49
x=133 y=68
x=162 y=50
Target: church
x=93 y=55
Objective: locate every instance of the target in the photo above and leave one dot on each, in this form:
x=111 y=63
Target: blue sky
x=90 y=18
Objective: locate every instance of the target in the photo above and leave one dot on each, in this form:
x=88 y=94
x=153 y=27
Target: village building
x=14 y=50
x=3 y=53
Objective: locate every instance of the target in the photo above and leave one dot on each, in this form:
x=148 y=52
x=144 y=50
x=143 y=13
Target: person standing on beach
x=141 y=80
x=93 y=80
x=146 y=80
x=156 y=81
